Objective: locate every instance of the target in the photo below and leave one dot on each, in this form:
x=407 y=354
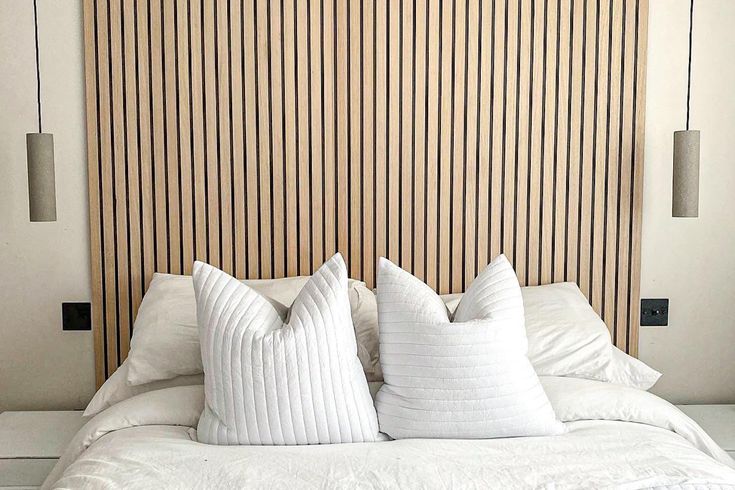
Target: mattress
x=617 y=437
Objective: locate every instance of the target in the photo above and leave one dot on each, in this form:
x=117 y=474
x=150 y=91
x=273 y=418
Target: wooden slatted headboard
x=263 y=136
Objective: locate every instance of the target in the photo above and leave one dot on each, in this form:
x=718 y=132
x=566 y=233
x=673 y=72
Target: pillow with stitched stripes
x=463 y=375
x=270 y=380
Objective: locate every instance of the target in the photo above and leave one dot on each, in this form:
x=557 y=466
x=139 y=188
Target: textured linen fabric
x=468 y=378
x=618 y=437
x=270 y=382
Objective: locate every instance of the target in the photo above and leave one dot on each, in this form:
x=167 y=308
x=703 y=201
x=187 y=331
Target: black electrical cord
x=689 y=69
x=38 y=67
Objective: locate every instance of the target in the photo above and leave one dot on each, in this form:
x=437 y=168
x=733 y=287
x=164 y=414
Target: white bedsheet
x=617 y=438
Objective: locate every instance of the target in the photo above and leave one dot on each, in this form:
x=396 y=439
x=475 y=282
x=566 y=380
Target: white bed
x=617 y=437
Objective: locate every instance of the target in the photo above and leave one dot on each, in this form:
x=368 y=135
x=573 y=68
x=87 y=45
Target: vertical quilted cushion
x=462 y=376
x=270 y=380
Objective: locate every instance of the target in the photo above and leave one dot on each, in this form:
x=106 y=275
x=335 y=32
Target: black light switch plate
x=76 y=316
x=654 y=312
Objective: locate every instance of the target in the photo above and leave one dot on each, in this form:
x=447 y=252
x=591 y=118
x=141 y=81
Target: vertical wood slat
x=265 y=136
x=342 y=184
x=252 y=203
x=197 y=132
x=237 y=111
x=132 y=160
x=354 y=140
x=289 y=137
x=445 y=137
x=95 y=206
x=627 y=178
x=468 y=244
x=431 y=252
x=393 y=143
x=368 y=138
x=496 y=130
x=119 y=179
x=224 y=133
x=636 y=160
x=172 y=138
x=419 y=115
x=107 y=165
x=185 y=135
x=317 y=126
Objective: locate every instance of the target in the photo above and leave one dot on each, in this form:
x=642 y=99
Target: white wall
x=43 y=264
x=691 y=261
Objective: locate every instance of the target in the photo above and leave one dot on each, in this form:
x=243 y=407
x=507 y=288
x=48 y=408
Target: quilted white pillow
x=275 y=381
x=465 y=377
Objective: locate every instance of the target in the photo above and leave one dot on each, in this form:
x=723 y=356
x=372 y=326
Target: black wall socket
x=654 y=312
x=76 y=316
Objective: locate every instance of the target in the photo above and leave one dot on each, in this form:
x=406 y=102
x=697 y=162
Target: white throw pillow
x=116 y=389
x=465 y=377
x=165 y=341
x=272 y=381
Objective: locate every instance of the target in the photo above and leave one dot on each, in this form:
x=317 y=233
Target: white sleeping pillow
x=116 y=389
x=270 y=381
x=365 y=319
x=465 y=377
x=165 y=341
x=565 y=335
x=629 y=371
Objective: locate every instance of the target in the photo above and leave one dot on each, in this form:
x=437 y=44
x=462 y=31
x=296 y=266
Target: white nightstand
x=717 y=420
x=31 y=443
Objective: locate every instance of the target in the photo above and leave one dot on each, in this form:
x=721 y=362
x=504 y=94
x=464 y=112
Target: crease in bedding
x=617 y=437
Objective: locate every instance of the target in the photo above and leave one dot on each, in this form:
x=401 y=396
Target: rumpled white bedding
x=617 y=437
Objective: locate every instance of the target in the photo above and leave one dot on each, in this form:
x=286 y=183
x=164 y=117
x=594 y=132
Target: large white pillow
x=629 y=371
x=116 y=389
x=274 y=382
x=565 y=335
x=465 y=377
x=165 y=341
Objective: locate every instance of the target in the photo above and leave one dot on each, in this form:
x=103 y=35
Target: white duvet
x=617 y=437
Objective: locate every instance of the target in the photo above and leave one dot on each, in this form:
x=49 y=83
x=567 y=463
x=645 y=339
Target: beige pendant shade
x=41 y=176
x=40 y=153
x=685 y=181
x=685 y=189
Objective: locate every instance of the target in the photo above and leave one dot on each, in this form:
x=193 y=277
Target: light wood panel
x=265 y=136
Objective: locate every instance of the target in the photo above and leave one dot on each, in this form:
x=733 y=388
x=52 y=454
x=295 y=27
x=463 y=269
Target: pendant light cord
x=38 y=67
x=689 y=69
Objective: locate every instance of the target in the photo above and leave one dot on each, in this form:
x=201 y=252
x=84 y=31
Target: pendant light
x=40 y=152
x=685 y=195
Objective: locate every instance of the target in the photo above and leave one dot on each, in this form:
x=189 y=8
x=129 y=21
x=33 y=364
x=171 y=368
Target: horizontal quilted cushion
x=460 y=376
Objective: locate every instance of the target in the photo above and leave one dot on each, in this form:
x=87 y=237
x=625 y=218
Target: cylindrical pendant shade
x=41 y=177
x=685 y=198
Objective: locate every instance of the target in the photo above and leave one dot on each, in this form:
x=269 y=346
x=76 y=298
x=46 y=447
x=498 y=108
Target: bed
x=549 y=173
x=145 y=419
x=639 y=441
